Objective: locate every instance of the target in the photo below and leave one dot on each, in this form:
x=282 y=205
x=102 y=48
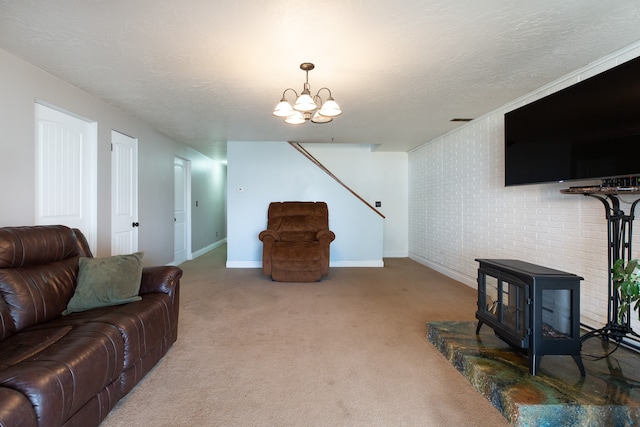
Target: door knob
x=135 y=224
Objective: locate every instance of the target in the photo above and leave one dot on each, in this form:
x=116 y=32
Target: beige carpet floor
x=348 y=351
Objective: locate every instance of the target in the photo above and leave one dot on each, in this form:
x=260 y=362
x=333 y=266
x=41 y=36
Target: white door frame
x=124 y=193
x=66 y=169
x=186 y=167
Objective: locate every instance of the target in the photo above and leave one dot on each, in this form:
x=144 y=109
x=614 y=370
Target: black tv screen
x=590 y=130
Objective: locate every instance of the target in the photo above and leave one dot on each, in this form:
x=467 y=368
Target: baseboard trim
x=201 y=252
x=244 y=264
x=209 y=248
x=403 y=254
x=446 y=271
x=365 y=263
x=258 y=264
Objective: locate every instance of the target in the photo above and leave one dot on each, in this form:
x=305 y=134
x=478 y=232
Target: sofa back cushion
x=38 y=270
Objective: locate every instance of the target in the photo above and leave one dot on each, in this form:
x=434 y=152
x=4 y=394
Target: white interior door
x=182 y=214
x=66 y=171
x=124 y=194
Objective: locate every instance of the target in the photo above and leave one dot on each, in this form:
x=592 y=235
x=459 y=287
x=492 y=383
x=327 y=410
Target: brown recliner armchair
x=296 y=242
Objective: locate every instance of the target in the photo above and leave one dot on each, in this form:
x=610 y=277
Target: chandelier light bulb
x=283 y=109
x=320 y=118
x=330 y=108
x=297 y=118
x=305 y=103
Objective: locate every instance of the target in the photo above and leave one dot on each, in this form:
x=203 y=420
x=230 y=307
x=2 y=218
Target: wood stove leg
x=534 y=363
x=478 y=327
x=578 y=360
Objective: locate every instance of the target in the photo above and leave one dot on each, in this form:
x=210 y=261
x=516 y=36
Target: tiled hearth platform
x=609 y=395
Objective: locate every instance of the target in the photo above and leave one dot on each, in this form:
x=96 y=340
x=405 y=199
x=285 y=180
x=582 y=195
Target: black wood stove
x=533 y=308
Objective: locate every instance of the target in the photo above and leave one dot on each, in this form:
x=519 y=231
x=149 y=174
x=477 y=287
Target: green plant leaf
x=626 y=279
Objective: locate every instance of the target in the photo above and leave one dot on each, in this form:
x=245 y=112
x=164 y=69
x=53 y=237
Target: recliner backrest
x=298 y=220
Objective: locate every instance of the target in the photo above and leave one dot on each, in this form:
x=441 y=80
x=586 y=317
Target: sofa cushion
x=142 y=324
x=107 y=281
x=29 y=343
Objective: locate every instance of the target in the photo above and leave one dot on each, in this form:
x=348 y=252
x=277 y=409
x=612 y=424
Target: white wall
x=374 y=176
x=209 y=193
x=20 y=84
x=262 y=172
x=460 y=210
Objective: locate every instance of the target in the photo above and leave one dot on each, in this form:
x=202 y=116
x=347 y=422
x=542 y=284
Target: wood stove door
x=503 y=304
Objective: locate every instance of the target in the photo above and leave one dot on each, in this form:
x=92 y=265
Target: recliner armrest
x=268 y=237
x=326 y=236
x=273 y=234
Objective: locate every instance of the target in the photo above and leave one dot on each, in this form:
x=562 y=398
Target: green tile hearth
x=609 y=395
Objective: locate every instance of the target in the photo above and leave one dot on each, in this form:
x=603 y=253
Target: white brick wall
x=459 y=208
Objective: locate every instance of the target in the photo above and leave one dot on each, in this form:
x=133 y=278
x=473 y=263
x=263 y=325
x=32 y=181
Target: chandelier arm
x=327 y=89
x=285 y=91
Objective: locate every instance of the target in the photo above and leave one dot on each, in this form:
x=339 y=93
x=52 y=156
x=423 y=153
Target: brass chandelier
x=307 y=107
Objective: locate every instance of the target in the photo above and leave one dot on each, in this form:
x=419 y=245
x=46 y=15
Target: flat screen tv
x=590 y=130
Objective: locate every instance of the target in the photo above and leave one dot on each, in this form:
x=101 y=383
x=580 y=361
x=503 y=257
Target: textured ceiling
x=205 y=71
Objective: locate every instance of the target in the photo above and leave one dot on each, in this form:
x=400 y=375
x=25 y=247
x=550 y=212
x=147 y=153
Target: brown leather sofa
x=71 y=370
x=295 y=245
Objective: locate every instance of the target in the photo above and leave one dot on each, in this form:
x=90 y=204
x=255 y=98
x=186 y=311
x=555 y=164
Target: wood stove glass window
x=556 y=314
x=506 y=302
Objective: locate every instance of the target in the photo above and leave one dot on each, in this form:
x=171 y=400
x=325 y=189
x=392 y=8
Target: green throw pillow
x=106 y=281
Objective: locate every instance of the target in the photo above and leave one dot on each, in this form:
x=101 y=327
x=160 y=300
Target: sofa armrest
x=160 y=279
x=16 y=409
